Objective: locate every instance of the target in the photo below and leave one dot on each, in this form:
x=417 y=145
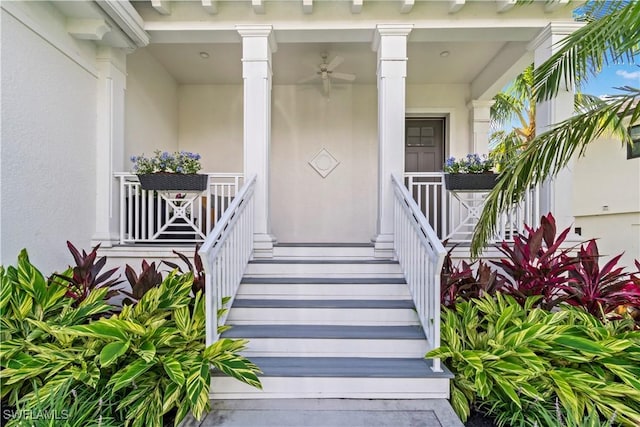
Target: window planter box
x=164 y=181
x=470 y=181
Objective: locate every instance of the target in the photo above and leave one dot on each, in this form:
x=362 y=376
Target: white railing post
x=226 y=253
x=421 y=255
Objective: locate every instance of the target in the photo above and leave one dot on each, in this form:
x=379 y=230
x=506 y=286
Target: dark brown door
x=424 y=145
x=424 y=152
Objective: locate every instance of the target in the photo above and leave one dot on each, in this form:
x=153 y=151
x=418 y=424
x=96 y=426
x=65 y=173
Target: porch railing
x=173 y=217
x=421 y=256
x=226 y=253
x=454 y=214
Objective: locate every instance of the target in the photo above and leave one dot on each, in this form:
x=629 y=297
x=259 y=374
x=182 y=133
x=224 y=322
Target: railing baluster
x=226 y=252
x=421 y=256
x=144 y=218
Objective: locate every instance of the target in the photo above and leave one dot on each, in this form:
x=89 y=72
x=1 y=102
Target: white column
x=111 y=64
x=391 y=45
x=480 y=116
x=257 y=46
x=557 y=193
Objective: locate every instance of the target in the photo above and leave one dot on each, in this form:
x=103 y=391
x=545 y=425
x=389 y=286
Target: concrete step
x=323 y=268
x=338 y=377
x=331 y=341
x=326 y=251
x=323 y=288
x=328 y=412
x=323 y=312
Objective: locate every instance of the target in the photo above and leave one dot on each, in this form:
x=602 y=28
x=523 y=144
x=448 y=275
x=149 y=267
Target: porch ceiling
x=294 y=61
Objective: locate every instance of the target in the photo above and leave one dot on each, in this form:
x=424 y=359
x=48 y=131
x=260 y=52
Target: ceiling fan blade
x=335 y=62
x=326 y=86
x=344 y=76
x=308 y=79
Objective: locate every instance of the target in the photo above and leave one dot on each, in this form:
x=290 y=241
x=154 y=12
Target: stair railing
x=421 y=255
x=226 y=253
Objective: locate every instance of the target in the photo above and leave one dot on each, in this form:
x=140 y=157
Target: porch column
x=257 y=46
x=480 y=125
x=556 y=194
x=111 y=64
x=391 y=45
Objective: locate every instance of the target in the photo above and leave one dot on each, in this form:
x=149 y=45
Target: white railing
x=454 y=214
x=226 y=253
x=421 y=256
x=173 y=217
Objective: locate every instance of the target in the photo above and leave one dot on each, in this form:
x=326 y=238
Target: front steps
x=330 y=327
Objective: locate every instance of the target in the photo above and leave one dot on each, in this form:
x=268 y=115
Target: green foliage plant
x=150 y=358
x=514 y=360
x=29 y=306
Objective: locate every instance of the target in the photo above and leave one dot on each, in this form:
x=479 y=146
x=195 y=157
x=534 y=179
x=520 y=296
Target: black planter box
x=470 y=181
x=173 y=181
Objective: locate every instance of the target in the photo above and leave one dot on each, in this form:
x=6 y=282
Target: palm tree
x=613 y=37
x=515 y=104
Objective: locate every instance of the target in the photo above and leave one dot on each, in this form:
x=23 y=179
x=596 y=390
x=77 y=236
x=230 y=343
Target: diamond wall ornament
x=323 y=163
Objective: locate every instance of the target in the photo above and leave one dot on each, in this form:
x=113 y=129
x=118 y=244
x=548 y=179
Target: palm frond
x=611 y=38
x=550 y=152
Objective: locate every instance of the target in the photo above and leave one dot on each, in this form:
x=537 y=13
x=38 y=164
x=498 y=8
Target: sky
x=613 y=76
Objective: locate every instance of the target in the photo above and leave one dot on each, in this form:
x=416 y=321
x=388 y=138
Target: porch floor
x=328 y=412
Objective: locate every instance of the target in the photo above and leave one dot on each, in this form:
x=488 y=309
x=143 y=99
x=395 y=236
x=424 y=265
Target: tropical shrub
x=196 y=268
x=67 y=407
x=148 y=279
x=601 y=290
x=464 y=282
x=150 y=358
x=514 y=360
x=28 y=303
x=535 y=265
x=86 y=275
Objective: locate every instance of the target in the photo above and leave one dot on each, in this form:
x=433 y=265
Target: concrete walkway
x=328 y=413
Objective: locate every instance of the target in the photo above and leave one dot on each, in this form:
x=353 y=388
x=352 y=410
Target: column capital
x=554 y=29
x=387 y=30
x=259 y=31
x=480 y=103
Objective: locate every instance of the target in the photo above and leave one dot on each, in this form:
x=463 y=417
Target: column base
x=105 y=240
x=263 y=245
x=384 y=246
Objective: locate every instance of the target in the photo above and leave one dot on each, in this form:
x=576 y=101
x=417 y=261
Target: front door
x=424 y=145
x=424 y=152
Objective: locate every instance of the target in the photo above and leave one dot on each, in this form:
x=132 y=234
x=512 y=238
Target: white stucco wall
x=606 y=198
x=444 y=100
x=341 y=207
x=151 y=107
x=210 y=123
x=47 y=185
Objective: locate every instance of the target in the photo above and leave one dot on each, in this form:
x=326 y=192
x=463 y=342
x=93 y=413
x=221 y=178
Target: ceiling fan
x=325 y=72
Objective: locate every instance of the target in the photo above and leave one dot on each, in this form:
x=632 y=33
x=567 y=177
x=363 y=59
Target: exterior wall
x=151 y=107
x=606 y=198
x=341 y=207
x=210 y=123
x=48 y=138
x=438 y=100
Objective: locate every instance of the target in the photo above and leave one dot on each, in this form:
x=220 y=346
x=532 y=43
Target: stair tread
x=325 y=332
x=346 y=367
x=324 y=245
x=323 y=281
x=310 y=303
x=323 y=261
